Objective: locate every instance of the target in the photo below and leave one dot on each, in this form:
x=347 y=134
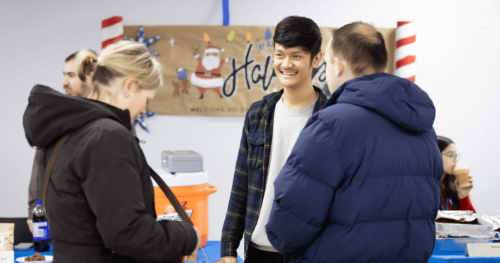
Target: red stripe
x=111 y=21
x=406 y=41
x=405 y=61
x=412 y=78
x=111 y=41
x=402 y=23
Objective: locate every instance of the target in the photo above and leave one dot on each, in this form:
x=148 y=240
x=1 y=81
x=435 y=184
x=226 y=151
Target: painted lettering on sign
x=255 y=73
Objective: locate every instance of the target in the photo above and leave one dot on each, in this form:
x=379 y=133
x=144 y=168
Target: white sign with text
x=6 y=256
x=474 y=250
x=173 y=216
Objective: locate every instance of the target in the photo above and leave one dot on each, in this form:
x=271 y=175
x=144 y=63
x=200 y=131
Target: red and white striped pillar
x=111 y=30
x=406 y=36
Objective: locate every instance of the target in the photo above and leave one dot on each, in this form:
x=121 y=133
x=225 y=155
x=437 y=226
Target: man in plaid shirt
x=272 y=125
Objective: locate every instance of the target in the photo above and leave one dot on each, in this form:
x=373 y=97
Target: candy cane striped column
x=112 y=30
x=406 y=35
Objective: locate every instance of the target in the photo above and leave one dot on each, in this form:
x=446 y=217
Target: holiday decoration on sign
x=268 y=34
x=141 y=38
x=111 y=30
x=222 y=70
x=206 y=37
x=207 y=75
x=267 y=43
x=182 y=76
x=141 y=120
x=405 y=55
x=230 y=37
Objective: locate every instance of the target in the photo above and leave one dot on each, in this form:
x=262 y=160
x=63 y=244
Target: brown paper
x=10 y=234
x=246 y=76
x=5 y=246
x=7 y=226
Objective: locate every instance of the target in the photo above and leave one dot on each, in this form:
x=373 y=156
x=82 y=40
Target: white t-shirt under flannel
x=287 y=126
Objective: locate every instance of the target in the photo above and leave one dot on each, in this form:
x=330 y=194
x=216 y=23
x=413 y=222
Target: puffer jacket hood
x=397 y=99
x=50 y=114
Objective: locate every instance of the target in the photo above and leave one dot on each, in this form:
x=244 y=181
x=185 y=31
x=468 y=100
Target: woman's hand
x=30 y=225
x=464 y=192
x=198 y=243
x=228 y=260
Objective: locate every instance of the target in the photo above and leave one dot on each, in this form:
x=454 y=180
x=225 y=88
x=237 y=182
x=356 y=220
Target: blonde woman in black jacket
x=100 y=198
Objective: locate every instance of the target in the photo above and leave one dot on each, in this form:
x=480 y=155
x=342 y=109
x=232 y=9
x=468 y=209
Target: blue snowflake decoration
x=141 y=120
x=141 y=38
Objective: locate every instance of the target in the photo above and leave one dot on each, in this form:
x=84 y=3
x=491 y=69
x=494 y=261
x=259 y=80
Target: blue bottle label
x=41 y=230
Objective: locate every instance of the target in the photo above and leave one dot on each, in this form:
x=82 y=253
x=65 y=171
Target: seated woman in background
x=452 y=196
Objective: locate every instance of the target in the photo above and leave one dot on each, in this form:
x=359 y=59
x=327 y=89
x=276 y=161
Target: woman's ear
x=128 y=85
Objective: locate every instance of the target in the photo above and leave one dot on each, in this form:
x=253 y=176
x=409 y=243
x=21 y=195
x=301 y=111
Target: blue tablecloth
x=459 y=257
x=212 y=250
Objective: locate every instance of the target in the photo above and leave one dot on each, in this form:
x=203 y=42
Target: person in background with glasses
x=452 y=196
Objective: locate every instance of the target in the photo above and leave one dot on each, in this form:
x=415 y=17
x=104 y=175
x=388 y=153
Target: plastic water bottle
x=41 y=235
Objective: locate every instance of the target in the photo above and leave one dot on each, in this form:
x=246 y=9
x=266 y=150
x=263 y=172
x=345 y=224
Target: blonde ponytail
x=122 y=59
x=85 y=63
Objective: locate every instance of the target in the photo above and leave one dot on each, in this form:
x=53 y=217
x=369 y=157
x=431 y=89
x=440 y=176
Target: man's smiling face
x=292 y=65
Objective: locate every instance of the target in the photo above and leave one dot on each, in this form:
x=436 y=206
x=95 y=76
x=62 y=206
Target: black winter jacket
x=100 y=198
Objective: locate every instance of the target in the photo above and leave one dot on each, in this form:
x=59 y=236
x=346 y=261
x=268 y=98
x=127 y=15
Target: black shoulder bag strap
x=171 y=197
x=50 y=166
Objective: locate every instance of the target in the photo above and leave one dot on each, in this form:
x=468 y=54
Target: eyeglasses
x=453 y=156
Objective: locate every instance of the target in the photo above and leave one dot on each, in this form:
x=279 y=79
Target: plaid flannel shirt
x=251 y=172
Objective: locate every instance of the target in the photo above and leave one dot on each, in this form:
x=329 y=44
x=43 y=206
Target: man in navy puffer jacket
x=362 y=181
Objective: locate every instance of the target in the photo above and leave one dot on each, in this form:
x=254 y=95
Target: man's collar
x=274 y=97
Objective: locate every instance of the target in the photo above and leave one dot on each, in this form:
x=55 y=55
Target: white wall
x=458 y=60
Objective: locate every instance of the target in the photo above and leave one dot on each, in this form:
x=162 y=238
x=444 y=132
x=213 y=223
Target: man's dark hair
x=298 y=31
x=73 y=56
x=362 y=46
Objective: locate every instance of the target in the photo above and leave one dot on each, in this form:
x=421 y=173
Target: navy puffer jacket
x=362 y=181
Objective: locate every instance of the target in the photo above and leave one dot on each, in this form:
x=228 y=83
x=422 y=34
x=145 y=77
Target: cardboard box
x=9 y=233
x=7 y=226
x=6 y=256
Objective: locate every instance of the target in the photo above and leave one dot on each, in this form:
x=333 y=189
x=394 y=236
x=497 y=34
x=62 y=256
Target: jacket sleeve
x=33 y=191
x=466 y=204
x=110 y=166
x=234 y=224
x=304 y=189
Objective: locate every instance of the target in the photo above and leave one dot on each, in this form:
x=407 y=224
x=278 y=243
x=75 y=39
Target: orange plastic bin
x=192 y=191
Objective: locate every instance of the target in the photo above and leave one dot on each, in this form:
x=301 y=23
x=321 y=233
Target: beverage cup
x=462 y=175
